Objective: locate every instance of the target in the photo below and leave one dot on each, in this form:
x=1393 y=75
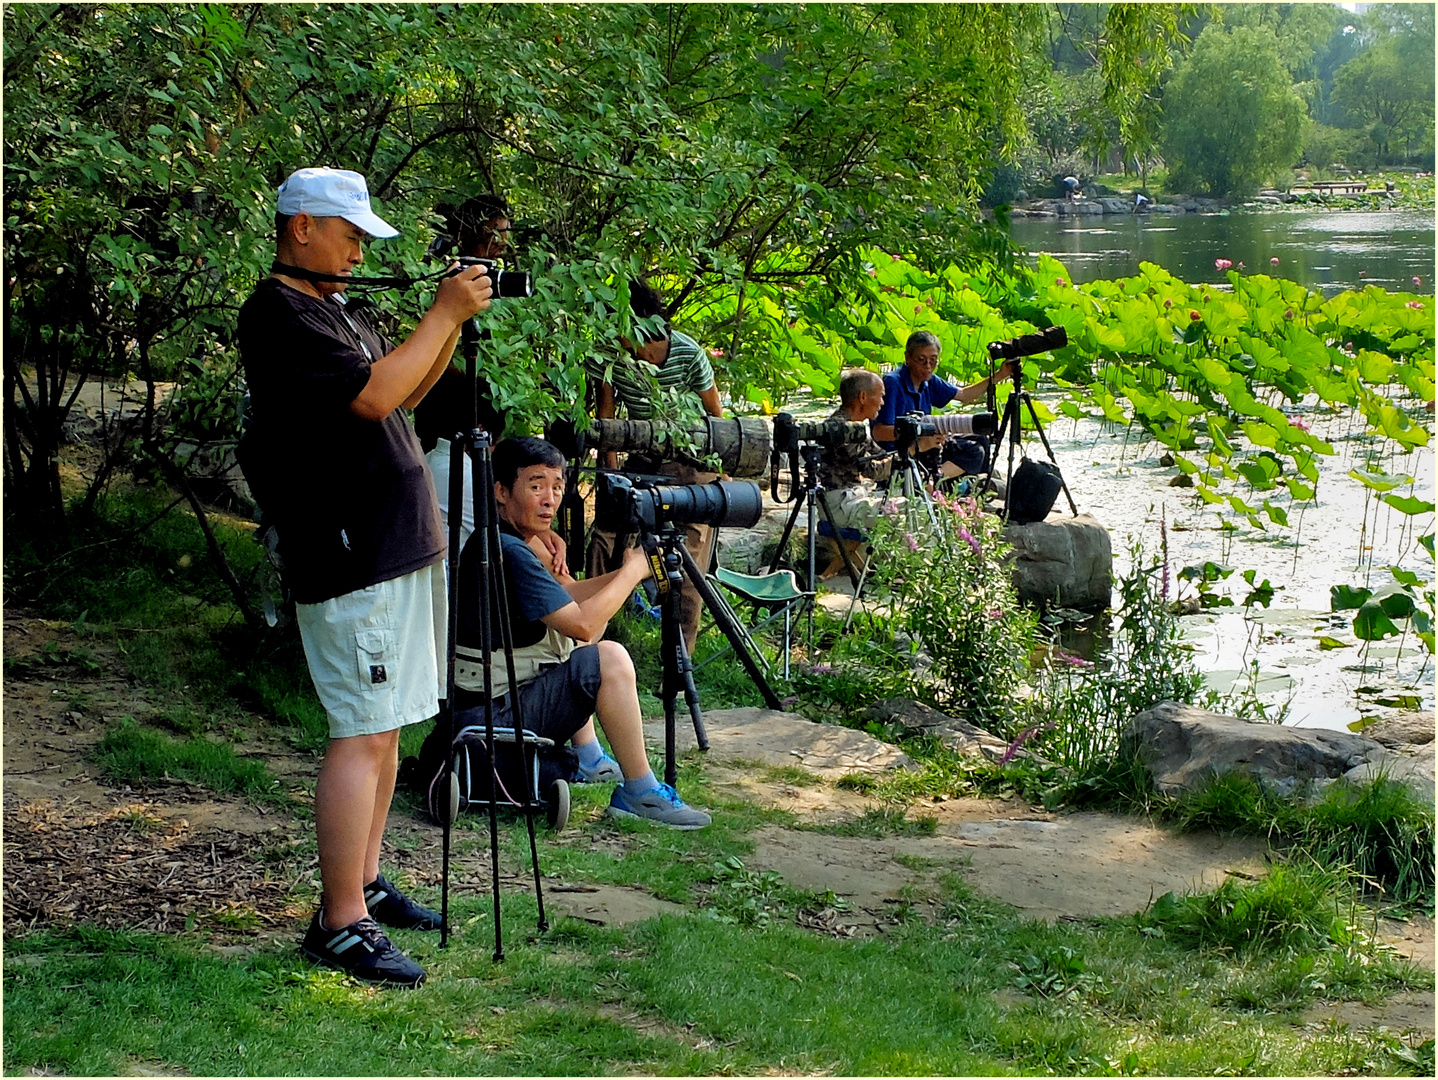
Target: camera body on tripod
x=910 y=428
x=628 y=504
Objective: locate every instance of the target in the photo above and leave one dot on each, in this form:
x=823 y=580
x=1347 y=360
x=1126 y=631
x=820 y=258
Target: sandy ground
x=1051 y=866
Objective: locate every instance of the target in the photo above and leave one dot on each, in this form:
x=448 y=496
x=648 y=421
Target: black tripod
x=672 y=563
x=475 y=445
x=1011 y=422
x=812 y=499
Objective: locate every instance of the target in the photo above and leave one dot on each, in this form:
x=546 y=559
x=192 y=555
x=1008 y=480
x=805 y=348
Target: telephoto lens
x=984 y=423
x=624 y=505
x=1055 y=337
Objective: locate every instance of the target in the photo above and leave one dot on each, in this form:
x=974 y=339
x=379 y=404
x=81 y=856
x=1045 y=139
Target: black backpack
x=1033 y=489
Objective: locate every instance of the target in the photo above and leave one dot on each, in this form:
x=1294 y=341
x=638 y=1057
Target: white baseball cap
x=331 y=193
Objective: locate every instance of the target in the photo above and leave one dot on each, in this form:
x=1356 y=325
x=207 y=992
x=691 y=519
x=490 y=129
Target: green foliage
x=1290 y=907
x=1233 y=119
x=952 y=597
x=1078 y=708
x=1378 y=832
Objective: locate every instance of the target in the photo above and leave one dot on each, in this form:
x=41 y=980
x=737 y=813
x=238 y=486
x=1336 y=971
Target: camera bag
x=1033 y=489
x=513 y=764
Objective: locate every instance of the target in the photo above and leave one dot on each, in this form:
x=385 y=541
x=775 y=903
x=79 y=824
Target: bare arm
x=402 y=376
x=584 y=620
x=712 y=405
x=976 y=391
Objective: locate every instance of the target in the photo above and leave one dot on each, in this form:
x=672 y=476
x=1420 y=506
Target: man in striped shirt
x=672 y=361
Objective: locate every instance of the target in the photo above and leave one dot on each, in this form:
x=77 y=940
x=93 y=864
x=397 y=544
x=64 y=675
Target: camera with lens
x=1055 y=337
x=831 y=433
x=914 y=426
x=627 y=504
x=503 y=284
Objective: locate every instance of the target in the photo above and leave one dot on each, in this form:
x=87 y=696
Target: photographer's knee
x=615 y=663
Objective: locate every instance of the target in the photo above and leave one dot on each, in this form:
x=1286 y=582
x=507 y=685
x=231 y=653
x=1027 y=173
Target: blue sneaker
x=662 y=806
x=605 y=772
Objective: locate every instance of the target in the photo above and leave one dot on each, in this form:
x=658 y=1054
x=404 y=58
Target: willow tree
x=723 y=148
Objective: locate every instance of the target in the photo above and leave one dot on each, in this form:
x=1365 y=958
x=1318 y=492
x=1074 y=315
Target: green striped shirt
x=687 y=368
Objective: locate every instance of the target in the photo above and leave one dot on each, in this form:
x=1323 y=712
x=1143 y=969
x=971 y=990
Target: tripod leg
x=484 y=530
x=726 y=624
x=784 y=537
x=1029 y=401
x=671 y=641
x=506 y=633
x=838 y=539
x=457 y=462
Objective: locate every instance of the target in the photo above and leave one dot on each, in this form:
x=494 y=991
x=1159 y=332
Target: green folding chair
x=775 y=596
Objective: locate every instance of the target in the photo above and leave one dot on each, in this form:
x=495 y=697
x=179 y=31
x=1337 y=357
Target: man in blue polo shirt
x=915 y=388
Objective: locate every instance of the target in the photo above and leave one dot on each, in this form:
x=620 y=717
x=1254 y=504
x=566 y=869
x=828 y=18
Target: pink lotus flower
x=1299 y=423
x=1414 y=304
x=918 y=308
x=716 y=353
x=1194 y=316
x=1060 y=282
x=1274 y=261
x=1167 y=304
x=1221 y=264
x=1288 y=314
x=1417 y=282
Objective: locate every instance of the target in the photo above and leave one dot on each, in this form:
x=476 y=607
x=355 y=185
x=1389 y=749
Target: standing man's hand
x=463 y=295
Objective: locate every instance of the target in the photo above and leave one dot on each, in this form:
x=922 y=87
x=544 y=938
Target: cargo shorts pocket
x=375 y=655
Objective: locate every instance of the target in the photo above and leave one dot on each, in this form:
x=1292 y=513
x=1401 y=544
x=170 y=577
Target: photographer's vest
x=529 y=660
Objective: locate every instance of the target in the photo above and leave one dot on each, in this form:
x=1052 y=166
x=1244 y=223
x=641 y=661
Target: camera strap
x=287 y=270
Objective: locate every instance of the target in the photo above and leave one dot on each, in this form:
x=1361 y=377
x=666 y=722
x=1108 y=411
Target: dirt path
x=177 y=856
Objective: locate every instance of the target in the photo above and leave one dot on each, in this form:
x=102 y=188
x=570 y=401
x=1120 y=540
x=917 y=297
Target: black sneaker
x=360 y=949
x=387 y=905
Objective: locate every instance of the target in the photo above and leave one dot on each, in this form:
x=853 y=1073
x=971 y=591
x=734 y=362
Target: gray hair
x=920 y=338
x=854 y=382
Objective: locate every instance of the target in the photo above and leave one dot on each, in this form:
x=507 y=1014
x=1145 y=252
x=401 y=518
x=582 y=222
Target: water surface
x=1329 y=250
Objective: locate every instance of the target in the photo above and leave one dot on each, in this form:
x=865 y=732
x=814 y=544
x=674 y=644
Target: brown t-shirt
x=351 y=499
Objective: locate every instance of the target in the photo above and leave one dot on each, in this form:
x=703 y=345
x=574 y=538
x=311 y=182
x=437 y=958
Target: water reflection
x=1322 y=249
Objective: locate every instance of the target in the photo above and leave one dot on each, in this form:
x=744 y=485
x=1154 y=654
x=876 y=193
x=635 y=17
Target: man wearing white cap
x=336 y=467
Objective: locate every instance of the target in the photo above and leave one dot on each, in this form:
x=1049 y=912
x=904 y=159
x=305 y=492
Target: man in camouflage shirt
x=847 y=472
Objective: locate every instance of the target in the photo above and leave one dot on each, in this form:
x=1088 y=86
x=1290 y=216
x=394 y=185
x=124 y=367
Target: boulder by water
x=1183 y=747
x=1067 y=561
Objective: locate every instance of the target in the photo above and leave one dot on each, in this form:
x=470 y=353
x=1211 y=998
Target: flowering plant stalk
x=951 y=596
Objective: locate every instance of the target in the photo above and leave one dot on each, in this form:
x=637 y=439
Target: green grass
x=982 y=991
x=130 y=754
x=1379 y=832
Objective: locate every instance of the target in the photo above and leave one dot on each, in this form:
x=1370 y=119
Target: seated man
x=915 y=388
x=852 y=500
x=561 y=686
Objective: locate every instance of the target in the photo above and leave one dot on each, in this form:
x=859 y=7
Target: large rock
x=1183 y=747
x=1116 y=206
x=1065 y=561
x=1404 y=729
x=958 y=735
x=779 y=739
x=1415 y=769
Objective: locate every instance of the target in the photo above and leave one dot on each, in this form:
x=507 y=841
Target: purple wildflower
x=969 y=538
x=913 y=545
